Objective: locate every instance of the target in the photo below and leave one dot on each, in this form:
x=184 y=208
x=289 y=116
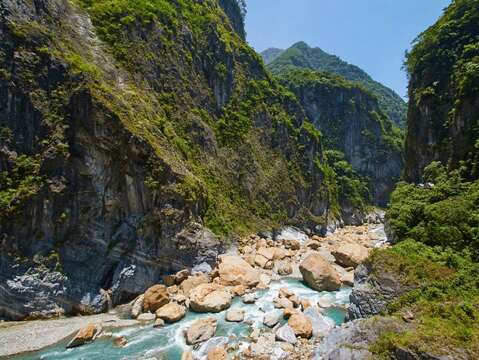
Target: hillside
x=352 y=123
x=303 y=56
x=269 y=55
x=133 y=135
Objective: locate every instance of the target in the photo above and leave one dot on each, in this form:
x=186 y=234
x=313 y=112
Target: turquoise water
x=168 y=342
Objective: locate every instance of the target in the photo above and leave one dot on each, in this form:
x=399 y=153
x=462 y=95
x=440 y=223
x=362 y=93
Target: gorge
x=168 y=193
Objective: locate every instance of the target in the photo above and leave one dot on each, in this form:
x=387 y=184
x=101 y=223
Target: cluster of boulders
x=324 y=264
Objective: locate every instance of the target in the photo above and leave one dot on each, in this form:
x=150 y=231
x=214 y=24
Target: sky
x=372 y=34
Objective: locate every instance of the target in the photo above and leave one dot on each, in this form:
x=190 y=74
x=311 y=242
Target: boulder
x=279 y=254
x=171 y=312
x=318 y=274
x=159 y=323
x=249 y=298
x=201 y=330
x=235 y=315
x=210 y=298
x=120 y=341
x=322 y=326
x=267 y=252
x=348 y=278
x=262 y=262
x=217 y=353
x=206 y=347
x=155 y=297
x=288 y=312
x=203 y=268
x=85 y=335
x=301 y=325
x=265 y=280
x=305 y=303
x=283 y=268
x=272 y=318
x=137 y=307
x=238 y=290
x=187 y=355
x=286 y=333
x=233 y=271
x=350 y=254
x=192 y=282
x=285 y=292
x=146 y=317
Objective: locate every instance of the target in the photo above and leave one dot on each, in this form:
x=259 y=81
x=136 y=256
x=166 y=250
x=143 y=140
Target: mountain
x=136 y=139
x=352 y=122
x=429 y=277
x=444 y=110
x=303 y=56
x=271 y=54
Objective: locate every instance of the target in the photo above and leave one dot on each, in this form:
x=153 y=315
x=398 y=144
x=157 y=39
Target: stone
x=238 y=290
x=235 y=315
x=247 y=250
x=249 y=298
x=146 y=317
x=272 y=318
x=279 y=254
x=181 y=276
x=85 y=335
x=210 y=298
x=285 y=292
x=261 y=243
x=192 y=282
x=155 y=297
x=171 y=312
x=168 y=280
x=285 y=303
x=120 y=341
x=187 y=355
x=295 y=300
x=203 y=349
x=172 y=290
x=325 y=303
x=203 y=268
x=159 y=323
x=286 y=333
x=350 y=254
x=265 y=279
x=201 y=330
x=292 y=244
x=288 y=312
x=322 y=325
x=261 y=261
x=267 y=252
x=348 y=278
x=313 y=245
x=137 y=307
x=318 y=274
x=301 y=325
x=305 y=303
x=217 y=353
x=283 y=268
x=233 y=271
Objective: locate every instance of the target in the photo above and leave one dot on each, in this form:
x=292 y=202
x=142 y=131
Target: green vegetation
x=21 y=183
x=302 y=56
x=443 y=304
x=444 y=71
x=437 y=229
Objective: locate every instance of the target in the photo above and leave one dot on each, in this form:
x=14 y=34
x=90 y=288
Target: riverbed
x=146 y=342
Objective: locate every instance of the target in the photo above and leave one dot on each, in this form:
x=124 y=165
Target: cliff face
x=352 y=122
x=303 y=56
x=126 y=131
x=443 y=116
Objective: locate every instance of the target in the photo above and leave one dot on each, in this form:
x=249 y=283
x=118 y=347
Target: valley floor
x=32 y=336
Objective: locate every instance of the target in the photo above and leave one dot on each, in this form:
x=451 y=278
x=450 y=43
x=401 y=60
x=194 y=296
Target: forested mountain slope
x=303 y=56
x=130 y=130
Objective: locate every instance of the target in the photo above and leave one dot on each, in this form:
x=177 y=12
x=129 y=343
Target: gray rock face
x=371 y=293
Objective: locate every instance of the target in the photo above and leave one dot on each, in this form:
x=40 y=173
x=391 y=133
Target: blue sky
x=373 y=34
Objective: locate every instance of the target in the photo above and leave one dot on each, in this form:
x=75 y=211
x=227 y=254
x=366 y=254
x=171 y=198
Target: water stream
x=146 y=342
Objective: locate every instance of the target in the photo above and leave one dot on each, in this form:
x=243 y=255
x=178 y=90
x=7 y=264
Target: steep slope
x=303 y=56
x=444 y=111
x=352 y=122
x=429 y=278
x=269 y=55
x=128 y=129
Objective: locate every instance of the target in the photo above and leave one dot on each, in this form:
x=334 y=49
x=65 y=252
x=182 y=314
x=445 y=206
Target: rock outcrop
x=114 y=157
